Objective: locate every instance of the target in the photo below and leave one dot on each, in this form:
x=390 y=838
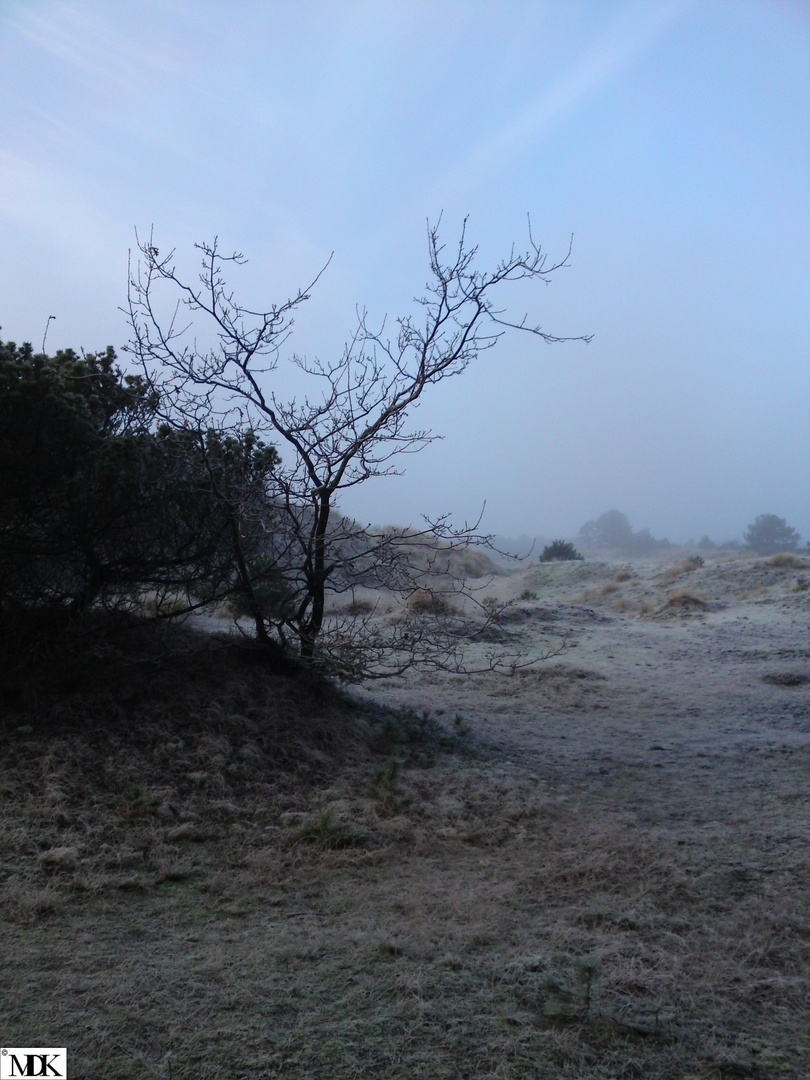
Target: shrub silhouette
x=769 y=534
x=560 y=551
x=103 y=505
x=611 y=530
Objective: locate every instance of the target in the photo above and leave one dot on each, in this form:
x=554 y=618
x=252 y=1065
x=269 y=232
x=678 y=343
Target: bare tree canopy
x=353 y=428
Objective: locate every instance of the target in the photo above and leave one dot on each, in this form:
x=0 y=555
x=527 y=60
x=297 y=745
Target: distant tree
x=706 y=544
x=352 y=429
x=768 y=534
x=611 y=530
x=560 y=551
x=643 y=542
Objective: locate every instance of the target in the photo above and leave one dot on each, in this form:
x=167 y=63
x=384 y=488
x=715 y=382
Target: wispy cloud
x=634 y=33
x=81 y=37
x=37 y=201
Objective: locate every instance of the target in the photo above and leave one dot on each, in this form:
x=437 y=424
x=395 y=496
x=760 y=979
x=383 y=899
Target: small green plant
x=527 y=594
x=139 y=803
x=461 y=727
x=573 y=999
x=385 y=779
x=802 y=584
x=406 y=727
x=328 y=833
x=560 y=551
x=693 y=562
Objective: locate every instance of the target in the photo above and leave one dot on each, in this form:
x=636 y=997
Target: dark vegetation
x=769 y=534
x=560 y=551
x=101 y=502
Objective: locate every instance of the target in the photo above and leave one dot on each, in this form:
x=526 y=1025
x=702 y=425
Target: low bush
x=560 y=551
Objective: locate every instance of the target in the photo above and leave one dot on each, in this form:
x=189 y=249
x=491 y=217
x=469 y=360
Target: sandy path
x=666 y=718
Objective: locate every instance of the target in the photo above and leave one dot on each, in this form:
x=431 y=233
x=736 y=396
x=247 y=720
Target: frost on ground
x=595 y=867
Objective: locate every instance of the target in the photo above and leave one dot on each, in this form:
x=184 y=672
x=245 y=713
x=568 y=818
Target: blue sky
x=671 y=138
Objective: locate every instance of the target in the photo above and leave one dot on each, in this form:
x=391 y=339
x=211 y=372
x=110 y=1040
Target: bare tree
x=354 y=429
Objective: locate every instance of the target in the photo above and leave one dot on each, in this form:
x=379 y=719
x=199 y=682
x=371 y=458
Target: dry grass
x=685 y=566
x=685 y=602
x=208 y=872
x=360 y=605
x=451 y=939
x=623 y=604
x=789 y=560
x=432 y=556
x=429 y=602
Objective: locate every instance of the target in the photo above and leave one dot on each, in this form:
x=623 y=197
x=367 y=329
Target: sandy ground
x=682 y=694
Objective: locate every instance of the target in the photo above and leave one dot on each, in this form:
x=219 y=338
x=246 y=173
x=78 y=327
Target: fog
x=672 y=139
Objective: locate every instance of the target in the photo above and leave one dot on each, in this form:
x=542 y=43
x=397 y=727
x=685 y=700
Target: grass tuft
x=428 y=602
x=789 y=560
x=685 y=602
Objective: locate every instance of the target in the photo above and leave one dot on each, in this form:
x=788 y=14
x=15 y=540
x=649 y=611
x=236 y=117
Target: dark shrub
x=770 y=534
x=560 y=551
